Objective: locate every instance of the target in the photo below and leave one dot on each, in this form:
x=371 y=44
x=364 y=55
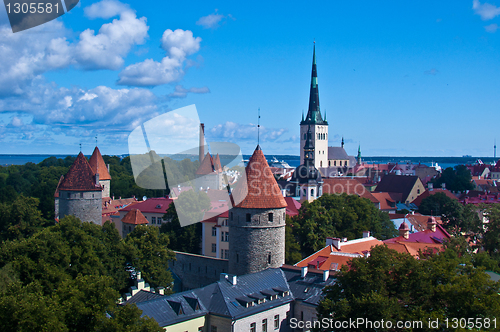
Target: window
x=153 y=220
x=345 y=163
x=271 y=217
x=222 y=253
x=226 y=237
x=222 y=236
x=334 y=163
x=214 y=247
x=264 y=325
x=252 y=327
x=159 y=220
x=226 y=254
x=214 y=231
x=249 y=217
x=269 y=259
x=276 y=322
x=418 y=191
x=284 y=216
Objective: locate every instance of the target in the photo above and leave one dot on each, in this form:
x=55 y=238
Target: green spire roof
x=313 y=113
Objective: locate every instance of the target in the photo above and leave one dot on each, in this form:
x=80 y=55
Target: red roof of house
x=386 y=201
x=134 y=217
x=98 y=166
x=427 y=236
x=261 y=191
x=413 y=248
x=80 y=177
x=293 y=206
x=151 y=205
x=340 y=185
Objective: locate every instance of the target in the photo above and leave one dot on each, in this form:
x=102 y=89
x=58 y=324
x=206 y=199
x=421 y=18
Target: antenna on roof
x=258 y=129
x=495 y=149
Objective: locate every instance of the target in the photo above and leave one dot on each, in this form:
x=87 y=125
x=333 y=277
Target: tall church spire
x=313 y=113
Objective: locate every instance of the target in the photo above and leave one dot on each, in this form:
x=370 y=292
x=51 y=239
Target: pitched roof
x=260 y=189
x=80 y=177
x=293 y=206
x=336 y=153
x=397 y=184
x=98 y=166
x=413 y=248
x=387 y=202
x=151 y=205
x=349 y=186
x=426 y=236
x=217 y=164
x=134 y=217
x=207 y=166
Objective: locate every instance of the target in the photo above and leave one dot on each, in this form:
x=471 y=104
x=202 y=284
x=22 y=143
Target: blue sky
x=399 y=78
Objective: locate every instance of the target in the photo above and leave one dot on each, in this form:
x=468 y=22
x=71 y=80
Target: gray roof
x=337 y=153
x=225 y=299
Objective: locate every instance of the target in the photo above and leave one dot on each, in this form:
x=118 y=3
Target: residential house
x=410 y=187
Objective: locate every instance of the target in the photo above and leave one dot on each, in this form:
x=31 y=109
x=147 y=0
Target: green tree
x=398 y=287
x=292 y=247
x=151 y=255
x=338 y=216
x=458 y=179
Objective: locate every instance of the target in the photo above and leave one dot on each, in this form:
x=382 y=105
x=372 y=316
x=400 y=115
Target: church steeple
x=309 y=149
x=313 y=113
x=359 y=160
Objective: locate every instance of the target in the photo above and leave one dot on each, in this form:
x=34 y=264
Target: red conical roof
x=262 y=189
x=207 y=165
x=217 y=164
x=134 y=217
x=80 y=177
x=98 y=166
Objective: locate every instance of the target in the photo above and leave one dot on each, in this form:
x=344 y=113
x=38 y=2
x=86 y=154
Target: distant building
x=152 y=209
x=102 y=171
x=210 y=173
x=410 y=187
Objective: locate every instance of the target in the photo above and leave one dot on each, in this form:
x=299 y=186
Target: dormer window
x=158 y=206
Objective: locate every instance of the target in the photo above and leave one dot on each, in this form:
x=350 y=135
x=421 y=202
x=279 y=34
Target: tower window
x=312 y=192
x=249 y=217
x=271 y=217
x=269 y=259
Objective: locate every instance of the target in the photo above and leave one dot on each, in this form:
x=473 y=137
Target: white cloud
x=105 y=9
x=106 y=49
x=181 y=92
x=27 y=55
x=232 y=131
x=486 y=11
x=178 y=45
x=492 y=28
x=212 y=21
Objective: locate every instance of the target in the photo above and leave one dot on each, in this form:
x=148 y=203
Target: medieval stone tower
x=257 y=223
x=314 y=121
x=99 y=168
x=79 y=193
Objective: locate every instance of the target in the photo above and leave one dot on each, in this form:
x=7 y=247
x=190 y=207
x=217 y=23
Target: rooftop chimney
x=431 y=224
x=336 y=243
x=326 y=274
x=366 y=234
x=404 y=230
x=234 y=280
x=202 y=141
x=161 y=290
x=430 y=186
x=303 y=272
x=329 y=241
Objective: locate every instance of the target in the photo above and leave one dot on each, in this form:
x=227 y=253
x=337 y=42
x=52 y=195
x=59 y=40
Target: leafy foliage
x=338 y=216
x=398 y=287
x=457 y=179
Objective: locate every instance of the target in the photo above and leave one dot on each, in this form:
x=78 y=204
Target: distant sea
x=293 y=161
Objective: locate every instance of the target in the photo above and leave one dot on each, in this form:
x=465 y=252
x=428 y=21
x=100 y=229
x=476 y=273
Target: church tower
x=314 y=120
x=257 y=223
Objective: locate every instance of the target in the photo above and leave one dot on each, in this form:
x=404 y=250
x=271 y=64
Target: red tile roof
x=340 y=185
x=217 y=164
x=151 y=205
x=98 y=166
x=134 y=217
x=293 y=206
x=80 y=177
x=261 y=191
x=386 y=201
x=413 y=248
x=427 y=236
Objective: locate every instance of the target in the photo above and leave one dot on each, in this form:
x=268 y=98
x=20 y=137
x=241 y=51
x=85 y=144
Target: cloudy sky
x=400 y=78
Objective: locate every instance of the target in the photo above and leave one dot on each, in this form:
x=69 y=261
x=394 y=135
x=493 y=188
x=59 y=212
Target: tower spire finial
x=96 y=140
x=258 y=129
x=80 y=147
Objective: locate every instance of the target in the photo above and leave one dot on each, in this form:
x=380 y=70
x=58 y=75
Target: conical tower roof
x=262 y=190
x=134 y=217
x=98 y=166
x=80 y=176
x=206 y=166
x=313 y=113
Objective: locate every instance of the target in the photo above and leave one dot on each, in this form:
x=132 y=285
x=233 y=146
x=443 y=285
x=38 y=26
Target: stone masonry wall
x=197 y=271
x=86 y=205
x=258 y=244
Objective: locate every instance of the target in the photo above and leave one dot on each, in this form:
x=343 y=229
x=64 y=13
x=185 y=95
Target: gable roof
x=397 y=184
x=261 y=191
x=98 y=166
x=336 y=153
x=207 y=166
x=387 y=202
x=293 y=206
x=426 y=236
x=80 y=177
x=134 y=217
x=151 y=205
